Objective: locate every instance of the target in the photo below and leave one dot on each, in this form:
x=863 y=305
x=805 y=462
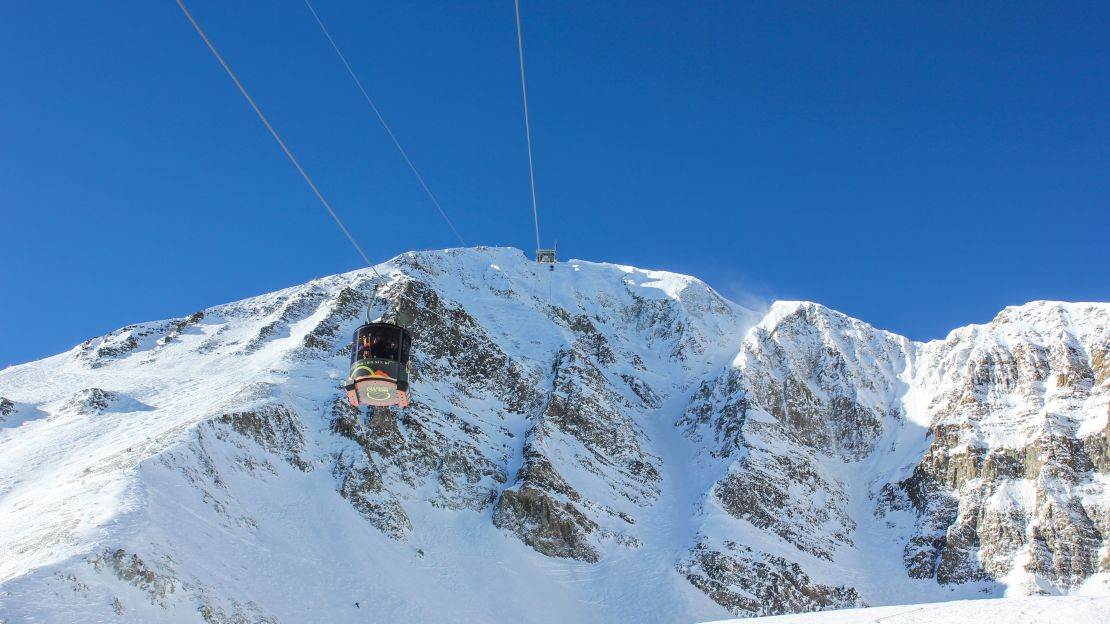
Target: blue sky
x=917 y=165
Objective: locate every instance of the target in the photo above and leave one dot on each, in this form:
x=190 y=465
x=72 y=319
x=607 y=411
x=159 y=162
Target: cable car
x=379 y=365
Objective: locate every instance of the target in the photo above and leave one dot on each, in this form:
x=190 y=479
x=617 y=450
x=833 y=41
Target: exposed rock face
x=359 y=479
x=130 y=568
x=787 y=495
x=91 y=401
x=748 y=582
x=275 y=428
x=622 y=432
x=1009 y=473
x=7 y=408
x=811 y=390
x=829 y=381
x=546 y=511
x=144 y=337
x=554 y=528
x=363 y=486
x=1012 y=415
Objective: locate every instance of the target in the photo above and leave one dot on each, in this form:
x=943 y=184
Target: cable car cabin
x=379 y=366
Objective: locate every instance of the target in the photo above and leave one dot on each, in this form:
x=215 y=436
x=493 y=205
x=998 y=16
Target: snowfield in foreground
x=597 y=443
x=1029 y=610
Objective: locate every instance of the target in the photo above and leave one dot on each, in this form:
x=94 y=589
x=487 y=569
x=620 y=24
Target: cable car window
x=406 y=346
x=361 y=349
x=383 y=342
x=384 y=347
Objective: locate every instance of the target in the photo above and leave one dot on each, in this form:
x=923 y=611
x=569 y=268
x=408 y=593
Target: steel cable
x=527 y=125
x=381 y=120
x=288 y=153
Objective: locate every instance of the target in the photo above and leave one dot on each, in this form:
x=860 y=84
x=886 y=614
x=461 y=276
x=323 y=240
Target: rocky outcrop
x=324 y=339
x=275 y=428
x=158 y=583
x=979 y=509
x=294 y=308
x=554 y=528
x=786 y=494
x=830 y=381
x=91 y=401
x=7 y=408
x=582 y=412
x=584 y=406
x=810 y=390
x=1005 y=477
x=363 y=486
x=127 y=341
x=751 y=583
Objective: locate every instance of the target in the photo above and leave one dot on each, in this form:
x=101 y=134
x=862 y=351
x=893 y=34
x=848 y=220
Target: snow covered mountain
x=596 y=443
